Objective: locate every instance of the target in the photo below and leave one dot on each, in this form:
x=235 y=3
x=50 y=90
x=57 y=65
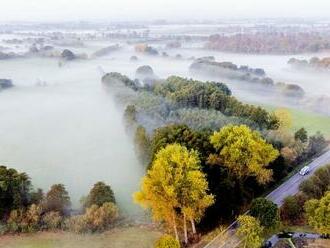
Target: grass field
x=118 y=238
x=312 y=122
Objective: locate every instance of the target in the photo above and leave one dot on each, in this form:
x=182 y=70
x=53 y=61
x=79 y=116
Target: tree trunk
x=193 y=225
x=175 y=228
x=185 y=229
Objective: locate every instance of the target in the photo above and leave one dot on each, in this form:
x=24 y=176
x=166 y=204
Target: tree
x=243 y=152
x=316 y=185
x=292 y=209
x=99 y=194
x=318 y=213
x=316 y=144
x=14 y=190
x=57 y=199
x=142 y=145
x=284 y=117
x=250 y=231
x=265 y=211
x=301 y=135
x=37 y=196
x=174 y=185
x=167 y=241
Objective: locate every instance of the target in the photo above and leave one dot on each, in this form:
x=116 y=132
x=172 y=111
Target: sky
x=130 y=10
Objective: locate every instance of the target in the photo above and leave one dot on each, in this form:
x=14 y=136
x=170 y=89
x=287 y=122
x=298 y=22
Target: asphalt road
x=291 y=186
x=228 y=239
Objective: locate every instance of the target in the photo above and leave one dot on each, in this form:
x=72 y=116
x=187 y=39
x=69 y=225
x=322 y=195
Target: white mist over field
x=70 y=130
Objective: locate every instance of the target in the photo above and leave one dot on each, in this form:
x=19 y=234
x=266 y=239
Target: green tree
x=243 y=152
x=301 y=135
x=250 y=231
x=167 y=241
x=142 y=145
x=57 y=199
x=174 y=185
x=318 y=213
x=265 y=211
x=316 y=185
x=14 y=190
x=99 y=194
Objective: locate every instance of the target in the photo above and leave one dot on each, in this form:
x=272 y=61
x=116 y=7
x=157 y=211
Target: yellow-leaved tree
x=175 y=188
x=244 y=152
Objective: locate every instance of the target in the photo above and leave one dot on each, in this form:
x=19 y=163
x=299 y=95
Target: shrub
x=52 y=220
x=95 y=219
x=167 y=241
x=20 y=221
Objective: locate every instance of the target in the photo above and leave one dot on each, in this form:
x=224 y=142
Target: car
x=304 y=171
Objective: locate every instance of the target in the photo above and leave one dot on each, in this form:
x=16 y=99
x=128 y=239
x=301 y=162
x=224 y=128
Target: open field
x=118 y=238
x=312 y=122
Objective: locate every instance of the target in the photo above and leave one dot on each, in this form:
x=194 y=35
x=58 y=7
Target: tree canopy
x=265 y=211
x=318 y=213
x=250 y=231
x=175 y=187
x=100 y=193
x=243 y=152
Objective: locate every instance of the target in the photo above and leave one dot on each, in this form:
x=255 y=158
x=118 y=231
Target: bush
x=167 y=241
x=21 y=221
x=52 y=220
x=95 y=219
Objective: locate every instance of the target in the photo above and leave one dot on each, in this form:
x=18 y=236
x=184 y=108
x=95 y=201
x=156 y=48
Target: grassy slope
x=117 y=238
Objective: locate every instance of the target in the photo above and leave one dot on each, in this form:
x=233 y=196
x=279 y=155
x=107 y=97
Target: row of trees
x=25 y=210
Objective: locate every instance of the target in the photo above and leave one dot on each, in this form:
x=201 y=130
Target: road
x=291 y=186
x=228 y=238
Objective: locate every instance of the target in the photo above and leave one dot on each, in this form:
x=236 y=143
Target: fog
x=59 y=125
x=127 y=10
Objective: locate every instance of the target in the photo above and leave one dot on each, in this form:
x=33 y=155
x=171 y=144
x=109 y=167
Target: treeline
x=25 y=210
x=270 y=42
x=256 y=77
x=179 y=93
x=314 y=63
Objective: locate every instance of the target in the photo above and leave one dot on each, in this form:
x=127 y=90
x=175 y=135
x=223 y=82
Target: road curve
x=228 y=238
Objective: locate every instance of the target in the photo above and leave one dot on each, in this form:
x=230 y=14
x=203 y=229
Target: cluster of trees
x=158 y=103
x=24 y=210
x=312 y=204
x=315 y=62
x=256 y=76
x=233 y=164
x=270 y=42
x=211 y=95
x=175 y=189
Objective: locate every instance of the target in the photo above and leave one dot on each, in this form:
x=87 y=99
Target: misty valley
x=166 y=132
